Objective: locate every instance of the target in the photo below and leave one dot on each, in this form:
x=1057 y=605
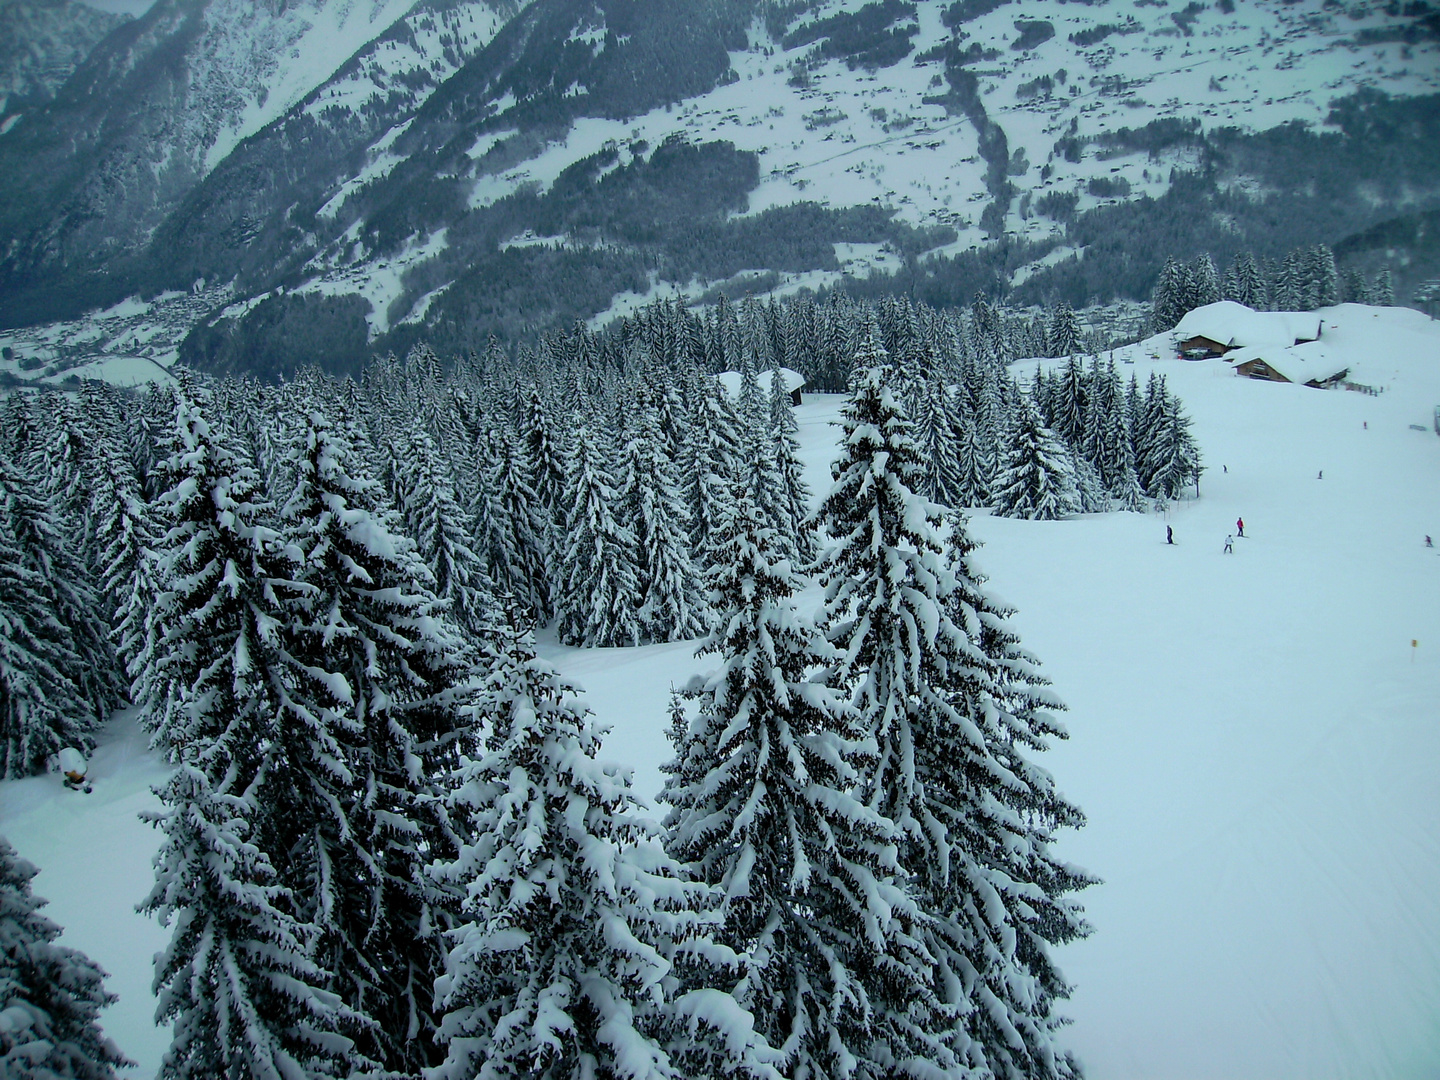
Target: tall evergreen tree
x=442 y=531
x=391 y=676
x=1172 y=460
x=564 y=964
x=763 y=808
x=793 y=496
x=236 y=978
x=43 y=706
x=1038 y=481
x=50 y=995
x=711 y=469
x=936 y=433
x=514 y=527
x=1063 y=338
x=598 y=575
x=59 y=612
x=1001 y=902
x=668 y=600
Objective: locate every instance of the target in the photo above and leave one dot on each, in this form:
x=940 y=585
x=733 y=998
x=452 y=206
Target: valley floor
x=1254 y=737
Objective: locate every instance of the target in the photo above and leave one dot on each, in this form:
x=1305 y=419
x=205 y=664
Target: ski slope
x=1253 y=737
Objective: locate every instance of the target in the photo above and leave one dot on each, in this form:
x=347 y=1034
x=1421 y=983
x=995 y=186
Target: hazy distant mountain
x=41 y=43
x=87 y=178
x=475 y=168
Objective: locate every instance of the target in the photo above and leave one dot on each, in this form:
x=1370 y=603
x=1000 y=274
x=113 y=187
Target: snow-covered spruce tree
x=918 y=678
x=391 y=676
x=236 y=978
x=50 y=996
x=1038 y=479
x=513 y=526
x=598 y=576
x=764 y=807
x=1002 y=900
x=973 y=462
x=669 y=602
x=573 y=917
x=442 y=531
x=1382 y=292
x=710 y=468
x=212 y=686
x=935 y=431
x=1167 y=301
x=59 y=674
x=545 y=464
x=1117 y=458
x=793 y=498
x=757 y=470
x=1172 y=460
x=42 y=707
x=120 y=518
x=1063 y=336
x=43 y=497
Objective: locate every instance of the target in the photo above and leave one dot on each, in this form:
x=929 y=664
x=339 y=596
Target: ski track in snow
x=1253 y=738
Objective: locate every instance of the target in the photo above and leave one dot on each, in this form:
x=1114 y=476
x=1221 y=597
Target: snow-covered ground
x=1253 y=736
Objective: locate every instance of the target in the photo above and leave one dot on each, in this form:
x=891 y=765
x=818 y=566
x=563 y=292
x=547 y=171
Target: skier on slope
x=1240 y=526
x=1229 y=545
x=1169 y=535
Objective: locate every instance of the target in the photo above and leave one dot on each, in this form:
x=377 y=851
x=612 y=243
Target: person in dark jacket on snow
x=1240 y=526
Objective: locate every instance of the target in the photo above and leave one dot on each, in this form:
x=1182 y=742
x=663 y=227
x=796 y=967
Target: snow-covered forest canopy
x=386 y=842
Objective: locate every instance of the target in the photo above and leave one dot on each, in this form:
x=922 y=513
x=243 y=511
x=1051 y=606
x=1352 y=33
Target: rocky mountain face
x=42 y=42
x=91 y=176
x=471 y=167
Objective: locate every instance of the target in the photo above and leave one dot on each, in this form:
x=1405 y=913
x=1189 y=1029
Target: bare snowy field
x=1253 y=736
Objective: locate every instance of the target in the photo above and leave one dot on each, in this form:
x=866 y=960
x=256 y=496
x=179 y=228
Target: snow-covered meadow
x=1254 y=737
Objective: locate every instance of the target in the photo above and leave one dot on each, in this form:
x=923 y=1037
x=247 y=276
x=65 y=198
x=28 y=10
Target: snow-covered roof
x=1236 y=325
x=1313 y=361
x=730 y=380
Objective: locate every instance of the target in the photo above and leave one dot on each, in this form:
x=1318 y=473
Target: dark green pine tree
x=599 y=575
x=935 y=430
x=390 y=675
x=793 y=501
x=565 y=964
x=1172 y=460
x=1167 y=302
x=1063 y=338
x=215 y=687
x=1038 y=479
x=46 y=549
x=764 y=809
x=442 y=532
x=669 y=601
x=50 y=996
x=43 y=706
x=710 y=469
x=1002 y=900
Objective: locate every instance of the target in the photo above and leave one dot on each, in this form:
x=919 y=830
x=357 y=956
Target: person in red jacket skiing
x=1240 y=526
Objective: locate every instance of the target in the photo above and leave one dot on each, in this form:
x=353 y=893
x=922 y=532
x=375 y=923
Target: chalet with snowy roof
x=1218 y=329
x=1308 y=364
x=792 y=379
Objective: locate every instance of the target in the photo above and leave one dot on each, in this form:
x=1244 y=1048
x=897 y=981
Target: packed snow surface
x=1254 y=736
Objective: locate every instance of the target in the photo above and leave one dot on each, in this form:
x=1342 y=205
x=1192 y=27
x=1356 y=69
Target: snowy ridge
x=265 y=63
x=846 y=137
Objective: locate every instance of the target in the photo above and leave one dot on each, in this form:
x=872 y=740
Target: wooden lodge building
x=1276 y=346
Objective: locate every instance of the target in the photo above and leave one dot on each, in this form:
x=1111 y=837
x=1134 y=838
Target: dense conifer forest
x=386 y=844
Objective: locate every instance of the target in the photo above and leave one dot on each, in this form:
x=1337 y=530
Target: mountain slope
x=42 y=42
x=456 y=179
x=84 y=183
